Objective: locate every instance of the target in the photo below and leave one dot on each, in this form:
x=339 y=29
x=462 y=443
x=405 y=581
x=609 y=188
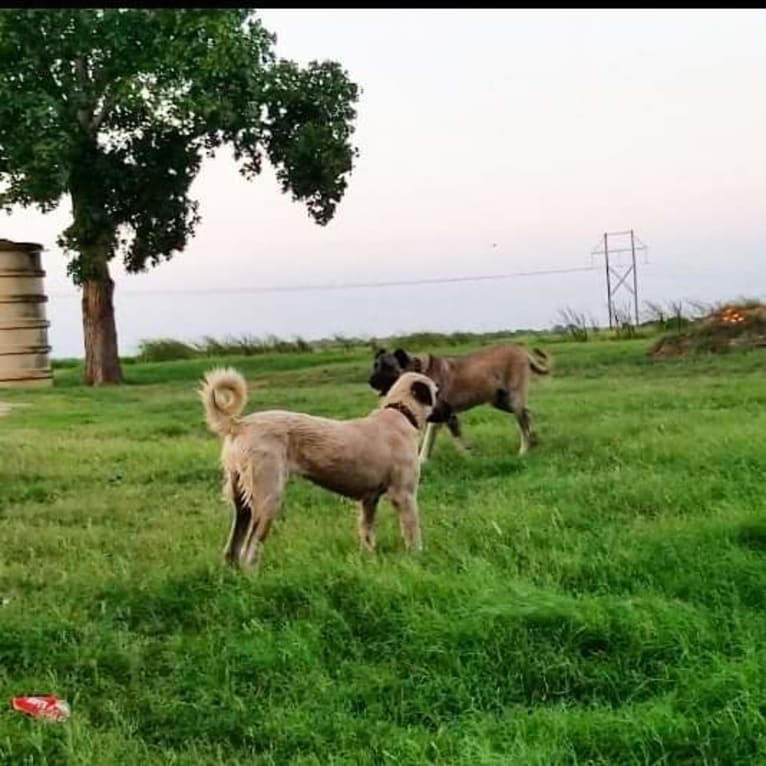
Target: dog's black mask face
x=441 y=412
x=387 y=368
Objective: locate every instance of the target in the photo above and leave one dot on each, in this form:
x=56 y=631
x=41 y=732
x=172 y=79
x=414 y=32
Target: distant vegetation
x=677 y=327
x=728 y=326
x=169 y=349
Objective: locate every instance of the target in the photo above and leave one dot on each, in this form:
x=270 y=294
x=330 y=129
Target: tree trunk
x=102 y=362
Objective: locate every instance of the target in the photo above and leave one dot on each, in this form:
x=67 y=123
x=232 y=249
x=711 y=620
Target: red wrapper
x=48 y=707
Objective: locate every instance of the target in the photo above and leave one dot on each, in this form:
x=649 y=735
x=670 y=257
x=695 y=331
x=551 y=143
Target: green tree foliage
x=116 y=109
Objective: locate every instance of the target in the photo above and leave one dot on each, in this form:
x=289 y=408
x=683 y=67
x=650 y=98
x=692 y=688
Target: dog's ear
x=402 y=357
x=422 y=393
x=380 y=353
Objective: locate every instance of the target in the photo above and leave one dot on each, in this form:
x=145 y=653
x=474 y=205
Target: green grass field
x=602 y=601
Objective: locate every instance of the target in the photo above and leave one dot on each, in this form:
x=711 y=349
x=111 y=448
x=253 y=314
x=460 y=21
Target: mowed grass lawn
x=602 y=601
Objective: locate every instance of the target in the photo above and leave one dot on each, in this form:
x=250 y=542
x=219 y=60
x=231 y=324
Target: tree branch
x=81 y=70
x=84 y=111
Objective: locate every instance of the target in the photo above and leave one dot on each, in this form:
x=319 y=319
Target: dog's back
x=346 y=456
x=475 y=378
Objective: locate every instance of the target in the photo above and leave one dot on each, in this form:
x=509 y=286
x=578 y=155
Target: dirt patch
x=5 y=408
x=729 y=327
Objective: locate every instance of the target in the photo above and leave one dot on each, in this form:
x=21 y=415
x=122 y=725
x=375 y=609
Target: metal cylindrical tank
x=24 y=345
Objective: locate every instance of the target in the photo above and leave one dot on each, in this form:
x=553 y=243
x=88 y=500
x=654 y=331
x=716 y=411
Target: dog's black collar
x=405 y=410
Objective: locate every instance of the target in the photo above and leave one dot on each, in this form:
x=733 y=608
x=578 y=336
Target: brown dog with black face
x=362 y=459
x=497 y=375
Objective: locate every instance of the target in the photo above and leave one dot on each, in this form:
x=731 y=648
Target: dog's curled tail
x=224 y=395
x=540 y=362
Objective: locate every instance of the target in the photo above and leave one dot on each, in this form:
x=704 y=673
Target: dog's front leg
x=406 y=506
x=367 y=509
x=454 y=428
x=426 y=448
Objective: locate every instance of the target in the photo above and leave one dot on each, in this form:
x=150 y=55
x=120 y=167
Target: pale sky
x=533 y=130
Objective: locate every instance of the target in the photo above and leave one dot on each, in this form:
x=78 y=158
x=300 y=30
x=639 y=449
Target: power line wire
x=343 y=286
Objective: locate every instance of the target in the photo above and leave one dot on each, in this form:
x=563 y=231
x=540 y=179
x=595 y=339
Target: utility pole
x=617 y=275
x=608 y=283
x=635 y=272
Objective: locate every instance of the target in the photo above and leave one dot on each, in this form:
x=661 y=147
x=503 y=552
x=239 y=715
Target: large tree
x=116 y=109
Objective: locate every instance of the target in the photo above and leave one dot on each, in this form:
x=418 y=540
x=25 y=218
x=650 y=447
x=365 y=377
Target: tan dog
x=362 y=459
x=497 y=375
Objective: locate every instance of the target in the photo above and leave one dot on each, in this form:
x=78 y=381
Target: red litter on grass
x=48 y=707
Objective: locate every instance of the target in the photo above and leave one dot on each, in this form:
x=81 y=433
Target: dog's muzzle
x=380 y=383
x=441 y=412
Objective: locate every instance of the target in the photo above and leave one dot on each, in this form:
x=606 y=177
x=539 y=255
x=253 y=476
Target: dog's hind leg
x=409 y=519
x=527 y=426
x=503 y=401
x=367 y=509
x=519 y=398
x=267 y=482
x=240 y=523
x=260 y=531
